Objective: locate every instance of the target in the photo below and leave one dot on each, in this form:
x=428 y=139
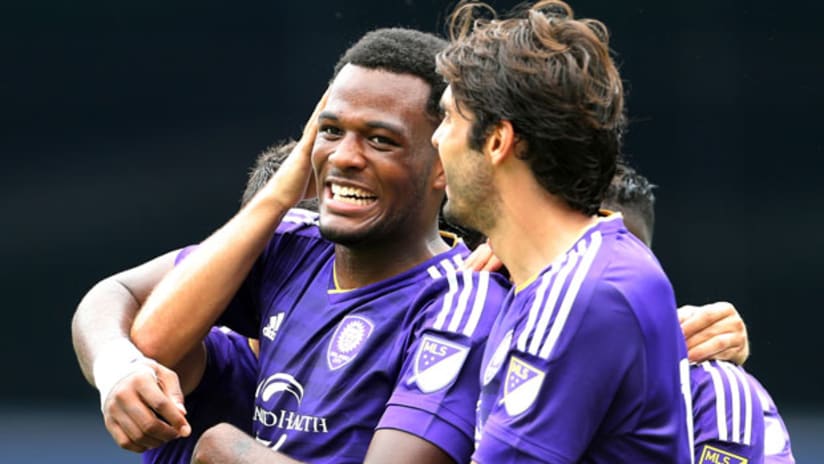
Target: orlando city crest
x=437 y=363
x=347 y=341
x=521 y=387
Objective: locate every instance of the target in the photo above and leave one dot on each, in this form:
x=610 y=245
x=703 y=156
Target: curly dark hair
x=402 y=51
x=553 y=78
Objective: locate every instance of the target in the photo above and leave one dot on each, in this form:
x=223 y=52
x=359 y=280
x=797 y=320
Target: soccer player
x=225 y=388
x=586 y=362
x=363 y=320
x=725 y=427
x=225 y=392
x=735 y=419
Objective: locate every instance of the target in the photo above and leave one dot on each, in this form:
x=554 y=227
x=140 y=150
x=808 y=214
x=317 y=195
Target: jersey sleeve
x=292 y=248
x=438 y=389
x=230 y=374
x=777 y=447
x=560 y=379
x=728 y=416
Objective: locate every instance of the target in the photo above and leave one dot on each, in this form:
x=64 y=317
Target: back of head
x=631 y=194
x=401 y=51
x=552 y=77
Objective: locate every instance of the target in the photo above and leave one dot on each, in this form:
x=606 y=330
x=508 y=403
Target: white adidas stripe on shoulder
x=537 y=302
x=739 y=382
x=720 y=400
x=300 y=216
x=588 y=257
x=480 y=302
x=450 y=294
x=548 y=307
x=573 y=268
x=456 y=301
x=436 y=271
x=739 y=403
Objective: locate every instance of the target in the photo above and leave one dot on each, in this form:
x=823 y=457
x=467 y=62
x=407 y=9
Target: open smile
x=352 y=195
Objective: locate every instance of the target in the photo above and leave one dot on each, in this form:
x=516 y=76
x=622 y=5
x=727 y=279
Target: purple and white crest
x=437 y=363
x=348 y=340
x=523 y=382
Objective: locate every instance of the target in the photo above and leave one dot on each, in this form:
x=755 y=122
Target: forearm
x=225 y=444
x=187 y=302
x=94 y=329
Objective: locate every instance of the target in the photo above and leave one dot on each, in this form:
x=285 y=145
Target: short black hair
x=632 y=195
x=401 y=51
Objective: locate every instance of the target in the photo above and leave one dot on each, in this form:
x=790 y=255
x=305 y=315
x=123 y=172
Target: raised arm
x=134 y=390
x=180 y=311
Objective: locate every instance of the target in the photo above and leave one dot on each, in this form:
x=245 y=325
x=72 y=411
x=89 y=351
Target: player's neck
x=532 y=233
x=359 y=266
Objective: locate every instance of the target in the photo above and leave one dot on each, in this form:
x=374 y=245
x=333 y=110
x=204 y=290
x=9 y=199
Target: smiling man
x=363 y=320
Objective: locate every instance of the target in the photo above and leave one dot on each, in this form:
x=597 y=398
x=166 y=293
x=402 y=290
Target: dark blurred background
x=128 y=127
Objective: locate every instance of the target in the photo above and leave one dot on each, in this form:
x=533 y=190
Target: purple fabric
x=224 y=394
x=727 y=413
x=587 y=361
x=330 y=360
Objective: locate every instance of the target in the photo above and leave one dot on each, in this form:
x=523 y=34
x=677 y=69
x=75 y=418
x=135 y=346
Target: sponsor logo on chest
x=285 y=390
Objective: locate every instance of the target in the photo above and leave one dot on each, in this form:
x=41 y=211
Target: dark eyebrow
x=385 y=126
x=327 y=115
x=395 y=129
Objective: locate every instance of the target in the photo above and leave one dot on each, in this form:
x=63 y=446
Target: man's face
x=470 y=192
x=373 y=159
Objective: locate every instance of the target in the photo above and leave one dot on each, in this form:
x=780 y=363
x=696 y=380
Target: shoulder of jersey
x=298 y=220
x=736 y=403
x=463 y=295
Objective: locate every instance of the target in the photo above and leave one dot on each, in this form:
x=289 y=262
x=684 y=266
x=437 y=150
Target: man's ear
x=501 y=142
x=438 y=174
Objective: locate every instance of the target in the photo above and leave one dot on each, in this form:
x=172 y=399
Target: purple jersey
x=728 y=417
x=587 y=362
x=224 y=394
x=777 y=448
x=402 y=353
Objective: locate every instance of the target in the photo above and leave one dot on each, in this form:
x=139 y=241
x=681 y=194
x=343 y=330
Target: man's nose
x=349 y=153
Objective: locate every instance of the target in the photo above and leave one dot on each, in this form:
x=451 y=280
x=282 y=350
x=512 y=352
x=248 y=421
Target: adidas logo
x=271 y=329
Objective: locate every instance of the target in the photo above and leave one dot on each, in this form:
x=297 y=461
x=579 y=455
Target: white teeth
x=351 y=195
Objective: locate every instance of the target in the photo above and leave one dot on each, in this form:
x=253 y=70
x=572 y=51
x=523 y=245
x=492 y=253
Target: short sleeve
x=551 y=407
x=728 y=416
x=438 y=389
x=293 y=248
